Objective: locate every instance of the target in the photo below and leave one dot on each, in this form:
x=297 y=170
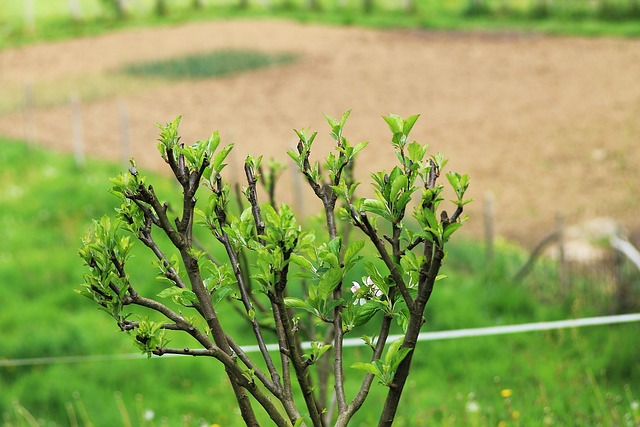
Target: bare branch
x=252 y=196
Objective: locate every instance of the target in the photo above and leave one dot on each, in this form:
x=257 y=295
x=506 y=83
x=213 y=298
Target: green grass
x=207 y=65
x=577 y=17
x=587 y=376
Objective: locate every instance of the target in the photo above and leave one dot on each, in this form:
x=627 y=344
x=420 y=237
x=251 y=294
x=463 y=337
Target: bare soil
x=547 y=125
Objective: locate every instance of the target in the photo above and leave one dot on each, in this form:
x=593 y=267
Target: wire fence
x=357 y=342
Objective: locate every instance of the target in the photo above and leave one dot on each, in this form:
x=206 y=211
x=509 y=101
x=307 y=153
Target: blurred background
x=537 y=100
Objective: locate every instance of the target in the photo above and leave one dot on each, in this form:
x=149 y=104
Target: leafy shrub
x=296 y=284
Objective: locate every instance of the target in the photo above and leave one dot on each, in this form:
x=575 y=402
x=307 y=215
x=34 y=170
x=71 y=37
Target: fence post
x=623 y=250
x=29 y=16
x=29 y=115
x=488 y=226
x=562 y=261
x=77 y=131
x=75 y=10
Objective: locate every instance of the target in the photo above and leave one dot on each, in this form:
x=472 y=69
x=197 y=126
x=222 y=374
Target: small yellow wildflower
x=506 y=393
x=515 y=415
x=502 y=424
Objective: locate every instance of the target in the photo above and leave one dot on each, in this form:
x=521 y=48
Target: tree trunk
x=416 y=321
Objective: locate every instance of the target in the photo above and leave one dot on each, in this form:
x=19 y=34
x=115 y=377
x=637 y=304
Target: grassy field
x=583 y=377
x=53 y=19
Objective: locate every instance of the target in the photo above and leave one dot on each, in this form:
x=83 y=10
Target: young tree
x=289 y=284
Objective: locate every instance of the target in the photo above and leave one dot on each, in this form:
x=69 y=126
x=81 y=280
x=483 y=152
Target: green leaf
x=169 y=292
x=408 y=123
x=180 y=296
x=351 y=252
x=220 y=294
x=344 y=118
x=317 y=350
x=357 y=149
x=398 y=185
x=416 y=152
x=430 y=217
x=398 y=358
x=302 y=262
x=375 y=206
x=295 y=156
x=335 y=246
x=333 y=123
x=220 y=157
x=394 y=123
x=454 y=180
x=451 y=228
x=211 y=145
x=367 y=367
x=395 y=355
x=365 y=312
x=329 y=280
x=393 y=349
x=292 y=302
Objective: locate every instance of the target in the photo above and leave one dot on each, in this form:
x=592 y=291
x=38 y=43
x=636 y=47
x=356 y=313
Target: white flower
x=148 y=415
x=377 y=292
x=373 y=288
x=472 y=406
x=355 y=288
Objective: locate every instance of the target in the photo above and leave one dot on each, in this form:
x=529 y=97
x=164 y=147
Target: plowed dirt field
x=548 y=125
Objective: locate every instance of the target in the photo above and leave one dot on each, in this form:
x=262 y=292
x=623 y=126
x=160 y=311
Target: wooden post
x=77 y=131
x=535 y=253
x=29 y=16
x=29 y=115
x=618 y=303
x=75 y=10
x=623 y=250
x=488 y=226
x=121 y=9
x=124 y=134
x=562 y=261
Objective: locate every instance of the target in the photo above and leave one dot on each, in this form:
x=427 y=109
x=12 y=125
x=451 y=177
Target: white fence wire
x=356 y=342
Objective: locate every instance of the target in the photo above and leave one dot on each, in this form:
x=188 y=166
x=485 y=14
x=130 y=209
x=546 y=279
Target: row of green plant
x=218 y=63
x=562 y=377
x=54 y=20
